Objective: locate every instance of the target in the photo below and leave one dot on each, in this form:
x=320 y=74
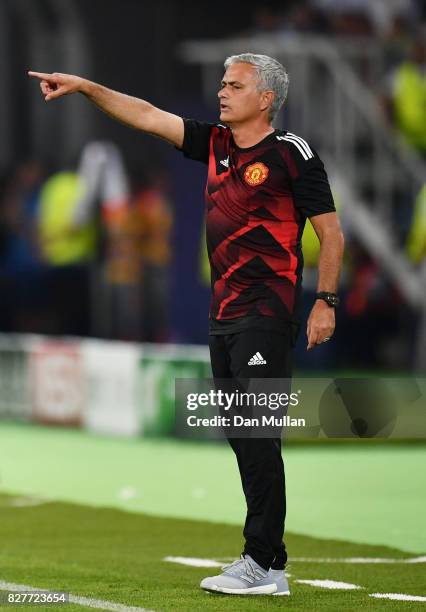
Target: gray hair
x=271 y=76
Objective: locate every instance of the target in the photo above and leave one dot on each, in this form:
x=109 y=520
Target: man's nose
x=221 y=93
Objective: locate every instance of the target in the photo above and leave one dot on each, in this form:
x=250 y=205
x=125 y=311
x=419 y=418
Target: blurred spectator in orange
x=152 y=212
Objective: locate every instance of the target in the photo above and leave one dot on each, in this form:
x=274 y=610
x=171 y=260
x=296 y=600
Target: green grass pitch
x=108 y=511
x=118 y=556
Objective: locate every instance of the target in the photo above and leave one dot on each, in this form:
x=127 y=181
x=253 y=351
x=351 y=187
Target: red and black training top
x=257 y=202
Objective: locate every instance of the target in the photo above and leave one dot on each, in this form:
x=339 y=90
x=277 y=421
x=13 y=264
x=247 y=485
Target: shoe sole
x=282 y=593
x=267 y=589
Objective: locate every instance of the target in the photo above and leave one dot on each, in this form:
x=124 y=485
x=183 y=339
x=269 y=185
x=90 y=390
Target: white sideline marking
x=193 y=561
x=416 y=560
x=81 y=601
x=355 y=560
x=324 y=584
x=196 y=562
x=330 y=584
x=399 y=596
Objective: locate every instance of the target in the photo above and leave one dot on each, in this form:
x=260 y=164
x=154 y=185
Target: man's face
x=239 y=97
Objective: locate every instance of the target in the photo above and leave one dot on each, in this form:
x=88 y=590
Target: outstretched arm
x=134 y=112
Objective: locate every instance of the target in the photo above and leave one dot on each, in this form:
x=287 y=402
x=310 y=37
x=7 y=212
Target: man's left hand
x=321 y=324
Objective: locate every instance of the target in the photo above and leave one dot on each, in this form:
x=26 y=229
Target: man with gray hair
x=262 y=185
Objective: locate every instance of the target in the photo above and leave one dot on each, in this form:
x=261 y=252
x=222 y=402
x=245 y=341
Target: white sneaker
x=242 y=577
x=280 y=579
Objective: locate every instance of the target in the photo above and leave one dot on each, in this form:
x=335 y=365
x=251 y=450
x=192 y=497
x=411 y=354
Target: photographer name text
x=239 y=421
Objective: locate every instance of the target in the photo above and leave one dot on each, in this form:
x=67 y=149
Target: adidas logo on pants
x=257 y=359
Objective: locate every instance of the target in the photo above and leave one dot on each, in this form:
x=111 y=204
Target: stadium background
x=104 y=297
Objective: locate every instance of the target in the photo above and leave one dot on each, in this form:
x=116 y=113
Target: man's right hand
x=57 y=84
x=134 y=112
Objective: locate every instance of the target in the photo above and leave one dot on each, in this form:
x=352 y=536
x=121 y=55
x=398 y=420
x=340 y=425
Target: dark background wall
x=132 y=46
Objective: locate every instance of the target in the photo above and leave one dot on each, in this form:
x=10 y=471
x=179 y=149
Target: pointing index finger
x=40 y=75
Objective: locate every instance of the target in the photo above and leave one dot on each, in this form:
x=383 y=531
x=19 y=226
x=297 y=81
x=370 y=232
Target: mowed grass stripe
x=364 y=492
x=114 y=556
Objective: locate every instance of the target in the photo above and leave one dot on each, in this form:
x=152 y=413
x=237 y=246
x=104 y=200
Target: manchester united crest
x=256 y=174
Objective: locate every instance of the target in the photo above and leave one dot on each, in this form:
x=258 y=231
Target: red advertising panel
x=57 y=375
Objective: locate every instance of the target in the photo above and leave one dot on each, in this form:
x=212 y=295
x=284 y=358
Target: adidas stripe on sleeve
x=300 y=144
x=311 y=189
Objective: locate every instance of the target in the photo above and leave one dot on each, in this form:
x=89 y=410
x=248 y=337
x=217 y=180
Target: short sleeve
x=196 y=140
x=311 y=191
x=310 y=186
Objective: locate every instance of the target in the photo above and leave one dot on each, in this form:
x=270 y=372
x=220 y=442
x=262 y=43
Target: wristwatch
x=332 y=299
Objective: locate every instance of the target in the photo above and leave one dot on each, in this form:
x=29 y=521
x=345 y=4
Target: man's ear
x=266 y=99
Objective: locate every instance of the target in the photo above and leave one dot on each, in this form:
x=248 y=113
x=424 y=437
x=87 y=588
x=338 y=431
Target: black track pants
x=259 y=459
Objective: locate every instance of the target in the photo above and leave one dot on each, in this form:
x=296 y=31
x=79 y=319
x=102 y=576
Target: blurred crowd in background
x=399 y=25
x=74 y=232
x=89 y=249
x=391 y=20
